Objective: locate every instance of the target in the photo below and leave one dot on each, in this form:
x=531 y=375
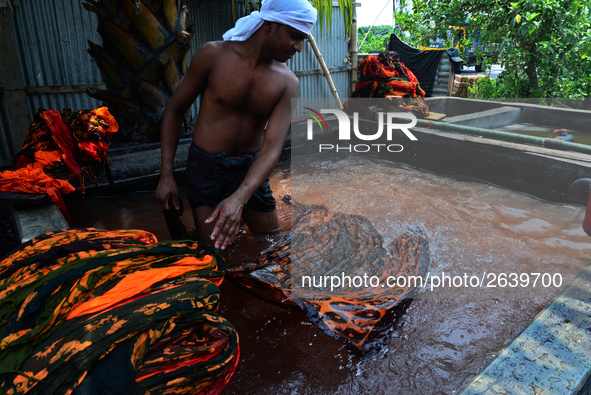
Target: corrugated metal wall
x=334 y=48
x=52 y=43
x=211 y=19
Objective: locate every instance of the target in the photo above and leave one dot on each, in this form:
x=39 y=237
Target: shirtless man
x=245 y=111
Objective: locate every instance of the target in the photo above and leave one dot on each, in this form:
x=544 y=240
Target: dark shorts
x=212 y=178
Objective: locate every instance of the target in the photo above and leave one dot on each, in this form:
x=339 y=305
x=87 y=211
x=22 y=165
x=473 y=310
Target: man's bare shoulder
x=212 y=54
x=211 y=49
x=221 y=51
x=291 y=80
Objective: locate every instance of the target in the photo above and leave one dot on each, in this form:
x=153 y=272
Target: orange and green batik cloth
x=88 y=311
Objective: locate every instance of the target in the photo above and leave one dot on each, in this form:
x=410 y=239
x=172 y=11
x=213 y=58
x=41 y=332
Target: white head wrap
x=299 y=14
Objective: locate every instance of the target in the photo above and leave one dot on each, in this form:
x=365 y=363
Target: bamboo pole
x=327 y=75
x=354 y=48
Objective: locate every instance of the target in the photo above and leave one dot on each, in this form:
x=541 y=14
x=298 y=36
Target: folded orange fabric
x=136 y=283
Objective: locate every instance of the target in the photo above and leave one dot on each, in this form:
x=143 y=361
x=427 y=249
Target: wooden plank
x=435 y=116
x=39 y=90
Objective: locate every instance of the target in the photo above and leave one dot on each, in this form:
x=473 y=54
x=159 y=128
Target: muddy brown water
x=545 y=132
x=448 y=335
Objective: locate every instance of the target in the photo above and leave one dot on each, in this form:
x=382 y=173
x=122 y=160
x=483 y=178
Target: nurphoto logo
x=389 y=126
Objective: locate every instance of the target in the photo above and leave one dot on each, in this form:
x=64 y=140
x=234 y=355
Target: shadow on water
x=447 y=335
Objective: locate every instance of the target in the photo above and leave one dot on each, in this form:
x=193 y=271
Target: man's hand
x=228 y=213
x=166 y=190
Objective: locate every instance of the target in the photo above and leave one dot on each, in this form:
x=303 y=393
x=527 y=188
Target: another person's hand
x=166 y=190
x=228 y=214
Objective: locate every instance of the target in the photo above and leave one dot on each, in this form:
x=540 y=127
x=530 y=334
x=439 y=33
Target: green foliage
x=545 y=45
x=373 y=38
x=484 y=88
x=380 y=30
x=324 y=8
x=408 y=22
x=503 y=87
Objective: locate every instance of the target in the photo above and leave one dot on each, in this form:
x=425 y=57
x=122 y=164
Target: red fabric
x=90 y=150
x=378 y=80
x=50 y=142
x=63 y=137
x=372 y=71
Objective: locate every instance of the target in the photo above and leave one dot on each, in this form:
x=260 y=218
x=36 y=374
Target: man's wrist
x=166 y=175
x=242 y=196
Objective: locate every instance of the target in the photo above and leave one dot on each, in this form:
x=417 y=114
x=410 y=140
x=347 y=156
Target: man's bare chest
x=246 y=90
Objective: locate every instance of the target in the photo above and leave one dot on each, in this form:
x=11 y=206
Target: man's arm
x=191 y=85
x=229 y=211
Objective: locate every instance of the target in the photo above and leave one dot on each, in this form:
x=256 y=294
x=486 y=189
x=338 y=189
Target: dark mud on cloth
x=321 y=243
x=423 y=63
x=78 y=305
x=8 y=232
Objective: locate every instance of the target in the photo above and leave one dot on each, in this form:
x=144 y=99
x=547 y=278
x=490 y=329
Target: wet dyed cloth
x=74 y=142
x=346 y=248
x=97 y=312
x=213 y=177
x=382 y=76
x=31 y=179
x=59 y=146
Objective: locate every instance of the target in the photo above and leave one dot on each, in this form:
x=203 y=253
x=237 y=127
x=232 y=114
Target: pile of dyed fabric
x=320 y=267
x=383 y=76
x=423 y=63
x=95 y=312
x=59 y=147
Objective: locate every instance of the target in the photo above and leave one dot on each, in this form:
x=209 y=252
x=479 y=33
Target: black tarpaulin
x=423 y=63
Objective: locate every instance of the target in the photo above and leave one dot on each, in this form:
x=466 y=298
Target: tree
x=142 y=59
x=544 y=44
x=406 y=21
x=373 y=38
